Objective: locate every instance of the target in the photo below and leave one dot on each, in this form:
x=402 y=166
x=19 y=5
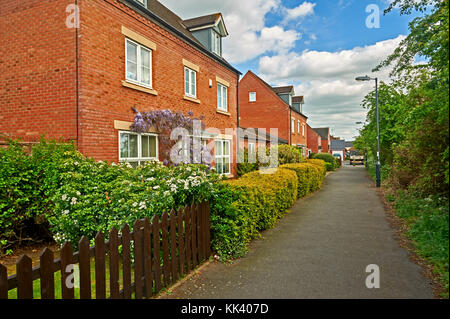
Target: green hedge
x=252 y=203
x=328 y=158
x=310 y=177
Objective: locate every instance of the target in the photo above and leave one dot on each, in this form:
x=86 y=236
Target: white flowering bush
x=95 y=196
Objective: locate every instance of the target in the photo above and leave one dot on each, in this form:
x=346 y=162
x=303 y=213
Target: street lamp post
x=378 y=166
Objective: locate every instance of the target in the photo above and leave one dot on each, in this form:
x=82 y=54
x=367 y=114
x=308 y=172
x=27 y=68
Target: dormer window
x=209 y=31
x=216 y=43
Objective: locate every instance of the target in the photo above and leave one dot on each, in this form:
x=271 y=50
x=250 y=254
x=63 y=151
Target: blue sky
x=317 y=46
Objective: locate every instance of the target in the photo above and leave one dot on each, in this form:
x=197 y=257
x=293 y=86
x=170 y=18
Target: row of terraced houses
x=74 y=69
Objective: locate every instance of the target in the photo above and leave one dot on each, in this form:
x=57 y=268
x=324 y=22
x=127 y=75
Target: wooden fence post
x=194 y=235
x=126 y=261
x=85 y=268
x=156 y=253
x=137 y=240
x=3 y=282
x=100 y=266
x=114 y=286
x=181 y=238
x=173 y=246
x=165 y=245
x=188 y=241
x=46 y=274
x=66 y=260
x=24 y=278
x=148 y=288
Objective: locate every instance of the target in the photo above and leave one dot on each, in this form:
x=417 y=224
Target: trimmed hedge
x=320 y=163
x=328 y=158
x=256 y=202
x=310 y=177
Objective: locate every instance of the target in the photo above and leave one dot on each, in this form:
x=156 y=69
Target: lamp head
x=363 y=78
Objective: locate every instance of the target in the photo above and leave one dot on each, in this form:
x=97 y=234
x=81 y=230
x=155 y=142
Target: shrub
x=310 y=177
x=288 y=154
x=26 y=183
x=328 y=158
x=320 y=163
x=95 y=196
x=253 y=203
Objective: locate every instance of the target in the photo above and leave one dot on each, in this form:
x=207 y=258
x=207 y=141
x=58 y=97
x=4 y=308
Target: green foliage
x=286 y=154
x=414 y=108
x=251 y=204
x=330 y=161
x=310 y=177
x=26 y=183
x=428 y=221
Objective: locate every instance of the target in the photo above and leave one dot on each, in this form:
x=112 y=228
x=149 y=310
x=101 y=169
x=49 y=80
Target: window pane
x=226 y=148
x=219 y=97
x=145 y=146
x=226 y=165
x=131 y=71
x=218 y=149
x=133 y=146
x=145 y=57
x=131 y=52
x=123 y=145
x=152 y=146
x=219 y=166
x=186 y=81
x=193 y=84
x=225 y=98
x=145 y=75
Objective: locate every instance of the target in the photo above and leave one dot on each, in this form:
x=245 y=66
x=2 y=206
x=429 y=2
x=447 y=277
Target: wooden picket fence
x=163 y=250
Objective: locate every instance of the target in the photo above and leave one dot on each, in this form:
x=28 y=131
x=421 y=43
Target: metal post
x=378 y=167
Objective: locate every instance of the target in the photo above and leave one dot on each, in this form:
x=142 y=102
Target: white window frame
x=215 y=42
x=139 y=159
x=303 y=129
x=222 y=99
x=142 y=2
x=293 y=126
x=298 y=127
x=138 y=64
x=252 y=96
x=221 y=156
x=189 y=92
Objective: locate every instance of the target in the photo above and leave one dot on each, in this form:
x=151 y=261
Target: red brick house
x=79 y=82
x=324 y=133
x=264 y=106
x=314 y=142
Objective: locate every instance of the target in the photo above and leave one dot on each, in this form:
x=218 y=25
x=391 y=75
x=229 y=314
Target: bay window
x=137 y=148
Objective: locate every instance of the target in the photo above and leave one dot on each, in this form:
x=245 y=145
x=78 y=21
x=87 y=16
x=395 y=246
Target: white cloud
x=303 y=10
x=327 y=80
x=245 y=20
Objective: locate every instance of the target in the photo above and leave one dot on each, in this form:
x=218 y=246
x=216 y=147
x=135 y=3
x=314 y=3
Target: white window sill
x=139 y=87
x=223 y=112
x=191 y=99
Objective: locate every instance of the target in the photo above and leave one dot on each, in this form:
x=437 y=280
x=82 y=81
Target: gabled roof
x=324 y=132
x=298 y=99
x=208 y=21
x=164 y=17
x=283 y=89
x=337 y=145
x=348 y=143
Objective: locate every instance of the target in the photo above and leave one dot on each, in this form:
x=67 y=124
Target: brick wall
x=103 y=97
x=37 y=70
x=38 y=74
x=296 y=136
x=269 y=111
x=314 y=140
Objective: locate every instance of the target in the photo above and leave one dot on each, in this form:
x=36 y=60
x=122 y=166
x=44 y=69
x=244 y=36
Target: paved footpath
x=320 y=250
